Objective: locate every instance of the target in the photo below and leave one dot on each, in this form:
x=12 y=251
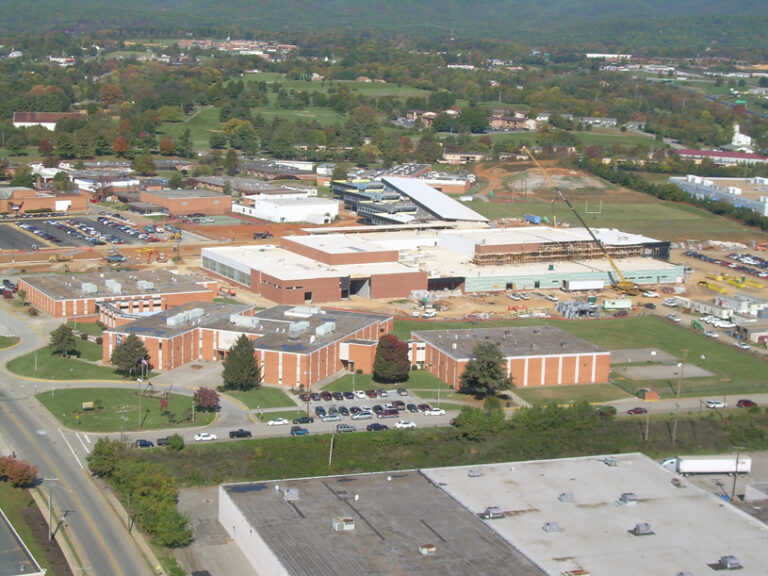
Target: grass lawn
x=51 y=366
x=90 y=328
x=571 y=394
x=262 y=397
x=14 y=501
x=200 y=123
x=8 y=341
x=66 y=406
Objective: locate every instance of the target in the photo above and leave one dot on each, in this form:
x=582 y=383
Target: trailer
x=685 y=465
x=575 y=285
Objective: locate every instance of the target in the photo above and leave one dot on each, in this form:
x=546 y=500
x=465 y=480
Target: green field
x=90 y=328
x=262 y=397
x=571 y=394
x=8 y=341
x=44 y=364
x=115 y=404
x=200 y=124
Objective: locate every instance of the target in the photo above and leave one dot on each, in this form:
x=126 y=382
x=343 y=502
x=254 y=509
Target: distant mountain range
x=695 y=24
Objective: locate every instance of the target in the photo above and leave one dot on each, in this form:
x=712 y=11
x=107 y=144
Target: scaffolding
x=555 y=252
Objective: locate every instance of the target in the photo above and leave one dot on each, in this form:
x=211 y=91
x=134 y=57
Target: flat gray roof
x=512 y=341
x=186 y=193
x=432 y=200
x=690 y=528
x=70 y=286
x=394 y=514
x=15 y=558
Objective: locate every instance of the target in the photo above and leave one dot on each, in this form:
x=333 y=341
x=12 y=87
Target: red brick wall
x=362 y=357
x=397 y=285
x=180 y=206
x=322 y=289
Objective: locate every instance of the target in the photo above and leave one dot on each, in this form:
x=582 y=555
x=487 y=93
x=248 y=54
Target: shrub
x=83 y=336
x=176 y=442
x=99 y=340
x=33 y=312
x=17 y=472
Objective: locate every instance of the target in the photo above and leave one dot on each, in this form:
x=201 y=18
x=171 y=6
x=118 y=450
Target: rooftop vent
x=729 y=563
x=427 y=549
x=325 y=328
x=145 y=285
x=89 y=288
x=551 y=527
x=290 y=494
x=628 y=499
x=244 y=321
x=343 y=524
x=642 y=529
x=113 y=286
x=566 y=497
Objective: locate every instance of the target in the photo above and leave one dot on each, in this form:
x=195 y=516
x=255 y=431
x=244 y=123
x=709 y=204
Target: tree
x=241 y=369
x=391 y=363
x=23 y=176
x=231 y=162
x=167 y=147
x=61 y=182
x=206 y=399
x=106 y=457
x=128 y=355
x=16 y=144
x=63 y=341
x=17 y=472
x=340 y=171
x=176 y=443
x=176 y=181
x=121 y=146
x=484 y=374
x=184 y=147
x=144 y=164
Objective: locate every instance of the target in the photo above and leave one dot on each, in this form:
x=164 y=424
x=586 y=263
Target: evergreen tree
x=241 y=370
x=128 y=356
x=63 y=341
x=184 y=146
x=230 y=162
x=484 y=373
x=391 y=363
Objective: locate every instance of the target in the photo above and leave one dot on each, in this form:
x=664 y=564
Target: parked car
x=711 y=334
x=298 y=431
x=142 y=443
x=434 y=412
x=343 y=411
x=303 y=420
x=376 y=427
x=164 y=441
x=650 y=305
x=620 y=314
x=650 y=294
x=673 y=318
x=403 y=424
x=342 y=428
x=277 y=422
x=363 y=415
x=204 y=437
x=359 y=394
x=412 y=408
x=240 y=433
x=402 y=392
x=742 y=346
x=349 y=395
x=746 y=403
x=551 y=298
x=391 y=413
x=331 y=418
x=715 y=404
x=637 y=410
x=383 y=393
x=320 y=411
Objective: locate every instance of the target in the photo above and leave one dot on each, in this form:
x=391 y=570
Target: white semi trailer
x=736 y=464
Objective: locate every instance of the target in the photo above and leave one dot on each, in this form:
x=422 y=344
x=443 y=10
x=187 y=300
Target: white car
x=710 y=334
x=513 y=296
x=359 y=394
x=650 y=294
x=670 y=302
x=551 y=298
x=402 y=424
x=674 y=318
x=278 y=422
x=524 y=296
x=715 y=404
x=204 y=436
x=434 y=412
x=742 y=345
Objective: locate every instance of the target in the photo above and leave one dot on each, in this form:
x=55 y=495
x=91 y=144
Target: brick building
x=18 y=199
x=295 y=346
x=182 y=202
x=83 y=296
x=533 y=355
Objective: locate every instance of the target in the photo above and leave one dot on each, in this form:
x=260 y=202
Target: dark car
x=142 y=443
x=320 y=411
x=303 y=397
x=388 y=414
x=399 y=404
x=303 y=420
x=354 y=409
x=370 y=393
x=412 y=408
x=327 y=396
x=349 y=395
x=402 y=392
x=240 y=433
x=338 y=396
x=746 y=403
x=650 y=305
x=315 y=397
x=375 y=427
x=378 y=409
x=620 y=314
x=343 y=411
x=298 y=431
x=637 y=410
x=164 y=441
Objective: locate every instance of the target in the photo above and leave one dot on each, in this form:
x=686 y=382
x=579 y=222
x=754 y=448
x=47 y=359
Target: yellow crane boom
x=623 y=286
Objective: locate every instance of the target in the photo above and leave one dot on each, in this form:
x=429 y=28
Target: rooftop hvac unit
x=298 y=327
x=566 y=497
x=89 y=287
x=113 y=286
x=244 y=321
x=642 y=529
x=145 y=285
x=195 y=313
x=427 y=549
x=343 y=524
x=290 y=494
x=551 y=527
x=729 y=563
x=628 y=499
x=303 y=311
x=325 y=328
x=177 y=319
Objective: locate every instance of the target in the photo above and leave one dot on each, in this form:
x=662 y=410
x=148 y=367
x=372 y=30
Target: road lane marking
x=72 y=450
x=83 y=443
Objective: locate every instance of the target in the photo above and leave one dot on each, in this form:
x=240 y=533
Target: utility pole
x=674 y=426
x=682 y=369
x=736 y=471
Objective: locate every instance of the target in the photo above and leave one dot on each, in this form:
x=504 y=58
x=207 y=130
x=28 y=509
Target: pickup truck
x=240 y=433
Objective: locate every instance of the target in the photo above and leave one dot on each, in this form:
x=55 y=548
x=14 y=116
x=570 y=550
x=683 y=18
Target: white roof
x=432 y=200
x=539 y=234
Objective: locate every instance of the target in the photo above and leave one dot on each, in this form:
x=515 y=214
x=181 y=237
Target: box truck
x=736 y=464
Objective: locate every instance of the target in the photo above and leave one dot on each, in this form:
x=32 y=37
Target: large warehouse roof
x=434 y=201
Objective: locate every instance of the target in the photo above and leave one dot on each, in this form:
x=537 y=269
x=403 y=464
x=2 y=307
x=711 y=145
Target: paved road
x=102 y=541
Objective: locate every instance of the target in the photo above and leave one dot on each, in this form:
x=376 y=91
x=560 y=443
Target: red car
x=637 y=410
x=746 y=403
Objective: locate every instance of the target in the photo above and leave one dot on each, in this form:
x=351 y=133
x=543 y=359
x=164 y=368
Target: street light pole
x=674 y=426
x=50 y=507
x=736 y=471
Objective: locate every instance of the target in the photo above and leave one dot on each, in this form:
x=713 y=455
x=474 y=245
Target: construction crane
x=622 y=286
